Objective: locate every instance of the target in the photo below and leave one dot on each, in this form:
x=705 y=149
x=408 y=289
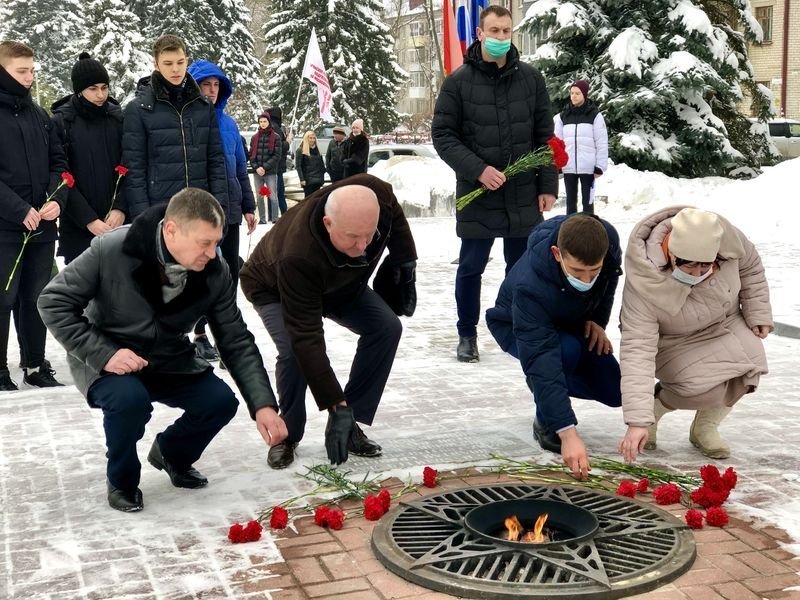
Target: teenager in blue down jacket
x=216 y=86
x=551 y=314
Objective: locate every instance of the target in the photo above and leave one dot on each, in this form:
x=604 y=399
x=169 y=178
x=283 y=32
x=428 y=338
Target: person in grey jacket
x=122 y=310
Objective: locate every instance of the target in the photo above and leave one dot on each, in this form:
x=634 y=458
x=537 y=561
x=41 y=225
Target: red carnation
x=121 y=170
x=264 y=191
x=729 y=478
x=668 y=493
x=627 y=488
x=335 y=518
x=235 y=533
x=252 y=532
x=429 y=476
x=321 y=516
x=386 y=499
x=711 y=493
x=642 y=486
x=559 y=151
x=373 y=508
x=716 y=516
x=709 y=473
x=279 y=518
x=694 y=519
x=68 y=179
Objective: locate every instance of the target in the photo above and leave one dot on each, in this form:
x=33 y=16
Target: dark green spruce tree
x=358 y=54
x=669 y=76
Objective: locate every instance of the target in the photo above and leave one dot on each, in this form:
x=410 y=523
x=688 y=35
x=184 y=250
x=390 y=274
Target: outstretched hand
x=271 y=426
x=337 y=433
x=633 y=443
x=598 y=340
x=573 y=452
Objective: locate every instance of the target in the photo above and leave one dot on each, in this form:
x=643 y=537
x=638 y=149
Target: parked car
x=377 y=153
x=785 y=134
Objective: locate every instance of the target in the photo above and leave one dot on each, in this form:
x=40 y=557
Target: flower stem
x=26 y=238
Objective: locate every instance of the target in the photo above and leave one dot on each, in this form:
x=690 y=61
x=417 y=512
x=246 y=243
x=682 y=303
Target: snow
x=695 y=19
x=428 y=395
x=630 y=49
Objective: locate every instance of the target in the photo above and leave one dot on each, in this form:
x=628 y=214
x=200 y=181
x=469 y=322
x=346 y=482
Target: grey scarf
x=176 y=274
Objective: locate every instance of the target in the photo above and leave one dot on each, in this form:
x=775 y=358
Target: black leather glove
x=337 y=433
x=405 y=278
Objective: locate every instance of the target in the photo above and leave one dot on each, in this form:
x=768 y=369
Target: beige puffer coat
x=692 y=338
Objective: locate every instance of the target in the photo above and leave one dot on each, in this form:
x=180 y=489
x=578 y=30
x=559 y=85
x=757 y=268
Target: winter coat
x=583 y=130
x=296 y=264
x=240 y=191
x=536 y=301
x=333 y=160
x=110 y=298
x=31 y=163
x=310 y=168
x=92 y=139
x=275 y=118
x=355 y=153
x=167 y=150
x=270 y=160
x=485 y=116
x=691 y=338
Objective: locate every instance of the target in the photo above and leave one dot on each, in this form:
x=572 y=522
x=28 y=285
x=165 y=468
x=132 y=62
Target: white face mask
x=688 y=279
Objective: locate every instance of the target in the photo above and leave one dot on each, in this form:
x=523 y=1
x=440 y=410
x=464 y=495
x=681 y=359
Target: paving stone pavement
x=61 y=541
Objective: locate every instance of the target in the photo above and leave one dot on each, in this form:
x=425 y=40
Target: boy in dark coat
x=122 y=310
x=89 y=123
x=551 y=314
x=31 y=164
x=489 y=113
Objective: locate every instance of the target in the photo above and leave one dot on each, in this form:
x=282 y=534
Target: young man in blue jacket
x=551 y=314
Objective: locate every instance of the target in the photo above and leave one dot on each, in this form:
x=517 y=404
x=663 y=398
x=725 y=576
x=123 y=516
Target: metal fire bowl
x=574 y=523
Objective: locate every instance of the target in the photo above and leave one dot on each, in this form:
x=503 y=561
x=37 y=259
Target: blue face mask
x=579 y=285
x=496 y=48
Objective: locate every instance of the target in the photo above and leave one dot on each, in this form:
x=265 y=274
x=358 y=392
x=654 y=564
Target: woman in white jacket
x=583 y=130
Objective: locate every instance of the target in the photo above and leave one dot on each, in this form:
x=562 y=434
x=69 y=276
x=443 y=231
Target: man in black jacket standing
x=31 y=164
x=122 y=310
x=171 y=141
x=489 y=113
x=334 y=155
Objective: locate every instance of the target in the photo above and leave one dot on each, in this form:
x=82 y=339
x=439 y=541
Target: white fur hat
x=696 y=235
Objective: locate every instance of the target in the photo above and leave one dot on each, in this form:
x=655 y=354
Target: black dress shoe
x=360 y=445
x=187 y=478
x=281 y=455
x=125 y=500
x=548 y=440
x=468 y=349
x=204 y=349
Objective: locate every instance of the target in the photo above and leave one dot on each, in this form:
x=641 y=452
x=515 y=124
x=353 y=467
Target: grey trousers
x=379 y=332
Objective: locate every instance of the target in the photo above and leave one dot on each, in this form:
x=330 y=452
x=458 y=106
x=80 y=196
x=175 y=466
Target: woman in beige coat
x=695 y=308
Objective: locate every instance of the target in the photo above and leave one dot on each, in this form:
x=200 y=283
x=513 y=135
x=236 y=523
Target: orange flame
x=515 y=532
x=535 y=535
x=514 y=528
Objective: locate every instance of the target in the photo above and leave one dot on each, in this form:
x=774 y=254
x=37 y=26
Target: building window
x=417 y=28
x=418 y=79
x=764 y=18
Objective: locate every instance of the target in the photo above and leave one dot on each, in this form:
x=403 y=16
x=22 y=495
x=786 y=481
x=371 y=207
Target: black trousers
x=472 y=260
x=587 y=188
x=127 y=404
x=379 y=332
x=310 y=189
x=33 y=272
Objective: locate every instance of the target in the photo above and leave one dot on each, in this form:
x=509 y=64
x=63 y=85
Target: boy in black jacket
x=31 y=164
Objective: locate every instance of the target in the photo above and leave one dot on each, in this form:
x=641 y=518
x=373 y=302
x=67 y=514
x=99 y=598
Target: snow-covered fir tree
x=238 y=61
x=115 y=40
x=668 y=75
x=358 y=54
x=56 y=31
x=194 y=21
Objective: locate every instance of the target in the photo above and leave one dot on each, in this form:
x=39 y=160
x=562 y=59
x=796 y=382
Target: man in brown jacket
x=314 y=263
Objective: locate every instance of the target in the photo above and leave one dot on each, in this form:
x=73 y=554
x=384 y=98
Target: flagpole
x=296 y=102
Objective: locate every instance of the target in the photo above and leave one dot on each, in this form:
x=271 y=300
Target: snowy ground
x=59 y=539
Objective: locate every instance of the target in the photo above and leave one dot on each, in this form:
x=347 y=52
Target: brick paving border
x=737 y=562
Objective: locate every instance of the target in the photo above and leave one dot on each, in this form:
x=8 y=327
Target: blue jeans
x=471 y=264
x=127 y=404
x=282 y=193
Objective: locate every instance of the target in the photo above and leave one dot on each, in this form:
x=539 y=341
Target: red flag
x=453 y=57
